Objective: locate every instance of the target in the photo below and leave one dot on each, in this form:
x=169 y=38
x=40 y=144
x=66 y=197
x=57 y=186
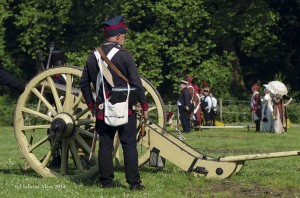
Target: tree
x=172 y=38
x=4 y=14
x=245 y=29
x=229 y=43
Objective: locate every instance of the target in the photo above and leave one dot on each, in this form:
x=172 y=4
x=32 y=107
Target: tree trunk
x=237 y=85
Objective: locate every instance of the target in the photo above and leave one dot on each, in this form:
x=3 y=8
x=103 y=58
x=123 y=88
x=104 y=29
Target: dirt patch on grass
x=236 y=189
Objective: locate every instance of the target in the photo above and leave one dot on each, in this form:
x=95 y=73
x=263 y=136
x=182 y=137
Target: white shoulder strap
x=192 y=93
x=198 y=105
x=103 y=68
x=112 y=52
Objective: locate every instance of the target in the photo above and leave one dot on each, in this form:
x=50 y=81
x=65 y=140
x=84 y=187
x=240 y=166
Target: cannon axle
x=63 y=125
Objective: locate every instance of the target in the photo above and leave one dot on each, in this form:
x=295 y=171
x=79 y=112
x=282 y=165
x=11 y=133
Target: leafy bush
x=7 y=110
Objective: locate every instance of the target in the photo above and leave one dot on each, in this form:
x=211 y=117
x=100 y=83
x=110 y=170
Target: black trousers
x=127 y=134
x=257 y=125
x=184 y=119
x=207 y=117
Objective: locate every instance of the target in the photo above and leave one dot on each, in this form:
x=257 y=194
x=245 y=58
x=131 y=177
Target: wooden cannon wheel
x=54 y=128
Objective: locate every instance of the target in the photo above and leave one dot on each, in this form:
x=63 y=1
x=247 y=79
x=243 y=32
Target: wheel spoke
x=40 y=142
x=45 y=126
x=81 y=113
x=46 y=159
x=38 y=114
x=116 y=146
x=84 y=122
x=55 y=94
x=84 y=145
x=67 y=101
x=44 y=100
x=152 y=109
x=77 y=102
x=76 y=157
x=84 y=132
x=64 y=155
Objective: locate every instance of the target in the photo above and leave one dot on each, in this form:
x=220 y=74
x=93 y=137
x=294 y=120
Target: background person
x=279 y=113
x=197 y=109
x=256 y=106
x=214 y=109
x=267 y=111
x=183 y=102
x=206 y=104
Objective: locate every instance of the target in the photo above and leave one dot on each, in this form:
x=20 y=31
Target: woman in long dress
x=267 y=112
x=279 y=113
x=279 y=116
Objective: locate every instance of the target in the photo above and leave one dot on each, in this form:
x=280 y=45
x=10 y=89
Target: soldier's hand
x=145 y=115
x=93 y=112
x=187 y=108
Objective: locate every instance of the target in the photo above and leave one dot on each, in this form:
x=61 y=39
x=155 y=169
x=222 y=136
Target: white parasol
x=277 y=87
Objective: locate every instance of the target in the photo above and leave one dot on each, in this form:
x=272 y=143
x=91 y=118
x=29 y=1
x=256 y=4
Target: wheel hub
x=63 y=125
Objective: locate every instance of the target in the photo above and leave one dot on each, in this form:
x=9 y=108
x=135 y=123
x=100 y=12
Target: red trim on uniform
x=145 y=107
x=115 y=26
x=56 y=76
x=90 y=105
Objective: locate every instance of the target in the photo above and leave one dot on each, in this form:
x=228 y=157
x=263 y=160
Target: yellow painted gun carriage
x=64 y=127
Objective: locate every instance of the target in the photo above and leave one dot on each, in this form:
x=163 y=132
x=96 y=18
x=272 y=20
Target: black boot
x=137 y=186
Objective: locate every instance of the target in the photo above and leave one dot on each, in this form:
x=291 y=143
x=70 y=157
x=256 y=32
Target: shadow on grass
x=19 y=171
x=95 y=181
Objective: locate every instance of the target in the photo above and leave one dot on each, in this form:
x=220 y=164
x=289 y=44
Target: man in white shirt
x=206 y=105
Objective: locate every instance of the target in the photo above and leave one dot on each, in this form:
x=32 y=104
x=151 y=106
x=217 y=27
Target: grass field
x=278 y=177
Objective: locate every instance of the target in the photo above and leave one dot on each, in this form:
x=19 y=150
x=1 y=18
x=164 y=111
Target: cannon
x=65 y=127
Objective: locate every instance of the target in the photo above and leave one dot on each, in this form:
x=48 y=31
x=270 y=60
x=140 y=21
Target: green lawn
x=279 y=177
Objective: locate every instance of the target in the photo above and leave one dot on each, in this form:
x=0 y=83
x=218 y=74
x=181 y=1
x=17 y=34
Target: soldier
x=214 y=109
x=58 y=59
x=256 y=106
x=9 y=80
x=183 y=103
x=206 y=105
x=115 y=30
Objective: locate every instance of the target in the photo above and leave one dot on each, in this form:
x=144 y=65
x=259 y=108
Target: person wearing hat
x=184 y=106
x=115 y=30
x=256 y=106
x=206 y=104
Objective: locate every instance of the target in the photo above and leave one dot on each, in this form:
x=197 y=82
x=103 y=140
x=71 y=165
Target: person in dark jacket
x=115 y=30
x=9 y=80
x=206 y=104
x=183 y=103
x=58 y=59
